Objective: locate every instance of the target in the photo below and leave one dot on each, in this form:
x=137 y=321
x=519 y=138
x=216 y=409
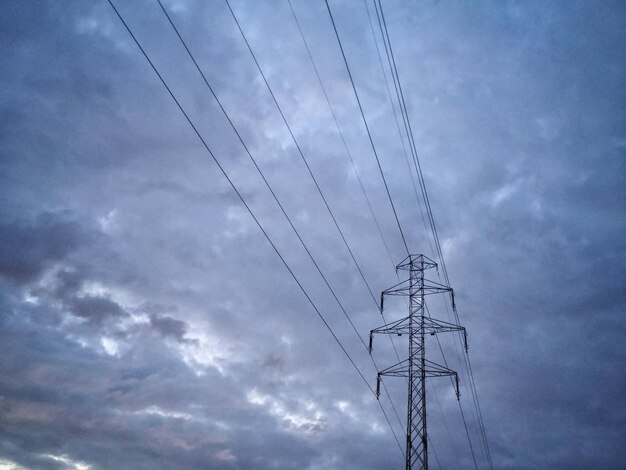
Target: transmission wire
x=321 y=194
x=422 y=186
x=445 y=362
x=380 y=168
x=369 y=134
x=267 y=184
x=271 y=190
x=312 y=60
x=412 y=180
x=243 y=201
x=407 y=161
x=343 y=140
x=472 y=387
x=306 y=163
x=432 y=448
x=395 y=115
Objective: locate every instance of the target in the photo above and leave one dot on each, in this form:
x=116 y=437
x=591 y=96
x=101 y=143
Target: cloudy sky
x=146 y=322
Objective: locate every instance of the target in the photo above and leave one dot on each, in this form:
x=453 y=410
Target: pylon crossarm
x=440 y=325
x=400 y=369
x=432 y=369
x=432 y=287
x=397 y=326
x=404 y=288
x=433 y=327
x=410 y=262
x=399 y=286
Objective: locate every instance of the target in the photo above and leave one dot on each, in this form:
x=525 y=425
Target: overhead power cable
x=369 y=134
x=411 y=141
x=403 y=112
x=432 y=449
x=466 y=361
x=395 y=116
x=343 y=140
x=445 y=424
x=465 y=426
x=304 y=159
x=376 y=155
x=323 y=88
x=271 y=190
x=245 y=204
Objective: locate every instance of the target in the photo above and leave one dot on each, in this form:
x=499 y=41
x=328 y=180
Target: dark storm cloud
x=30 y=246
x=145 y=322
x=168 y=326
x=95 y=308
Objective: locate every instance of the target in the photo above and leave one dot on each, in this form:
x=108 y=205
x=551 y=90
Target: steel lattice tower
x=416 y=367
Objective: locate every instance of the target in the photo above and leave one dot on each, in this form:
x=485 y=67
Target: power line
x=265 y=233
x=482 y=425
x=418 y=167
x=432 y=448
x=395 y=115
x=243 y=201
x=263 y=177
x=320 y=192
x=445 y=424
x=467 y=433
x=319 y=78
x=403 y=107
x=343 y=140
x=414 y=187
x=410 y=137
x=369 y=134
x=409 y=167
x=306 y=163
x=403 y=111
x=472 y=386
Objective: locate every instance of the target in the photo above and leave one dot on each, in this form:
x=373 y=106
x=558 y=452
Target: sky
x=145 y=320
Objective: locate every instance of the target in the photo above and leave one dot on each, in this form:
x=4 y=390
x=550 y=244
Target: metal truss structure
x=416 y=367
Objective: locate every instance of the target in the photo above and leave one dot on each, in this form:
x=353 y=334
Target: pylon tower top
x=418 y=262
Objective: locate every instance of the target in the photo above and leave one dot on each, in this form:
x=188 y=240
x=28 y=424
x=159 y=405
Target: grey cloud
x=30 y=246
x=169 y=327
x=145 y=322
x=96 y=308
x=153 y=308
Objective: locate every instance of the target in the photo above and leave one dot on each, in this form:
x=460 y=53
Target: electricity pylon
x=416 y=367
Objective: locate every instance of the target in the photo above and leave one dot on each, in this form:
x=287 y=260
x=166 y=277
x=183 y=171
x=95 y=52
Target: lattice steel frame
x=416 y=368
